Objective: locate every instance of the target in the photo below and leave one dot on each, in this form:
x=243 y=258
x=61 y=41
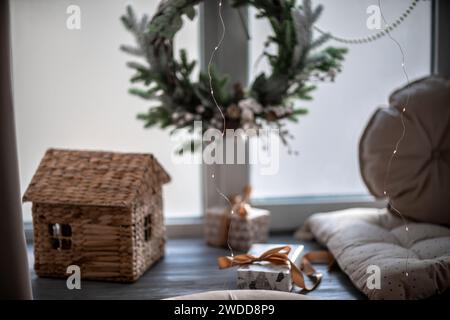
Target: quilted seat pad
x=413 y=263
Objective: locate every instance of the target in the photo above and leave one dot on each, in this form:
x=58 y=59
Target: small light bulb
x=406 y=229
x=216 y=48
x=385 y=193
x=406 y=274
x=212 y=176
x=404 y=109
x=395 y=151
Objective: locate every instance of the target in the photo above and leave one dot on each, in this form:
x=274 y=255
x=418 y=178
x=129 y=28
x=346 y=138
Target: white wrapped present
x=266 y=275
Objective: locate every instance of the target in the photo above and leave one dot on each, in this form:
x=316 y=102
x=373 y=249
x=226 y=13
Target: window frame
x=148 y=227
x=57 y=233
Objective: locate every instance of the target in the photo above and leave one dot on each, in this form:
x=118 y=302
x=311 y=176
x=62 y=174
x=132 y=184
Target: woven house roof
x=93 y=178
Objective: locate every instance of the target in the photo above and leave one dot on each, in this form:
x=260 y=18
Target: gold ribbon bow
x=239 y=203
x=279 y=256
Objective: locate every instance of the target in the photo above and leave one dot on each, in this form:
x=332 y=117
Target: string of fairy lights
x=399 y=141
x=386 y=31
x=211 y=59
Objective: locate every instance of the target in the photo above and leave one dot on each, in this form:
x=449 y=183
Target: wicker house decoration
x=101 y=211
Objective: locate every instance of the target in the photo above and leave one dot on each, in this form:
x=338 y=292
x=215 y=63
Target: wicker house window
x=147 y=228
x=60 y=236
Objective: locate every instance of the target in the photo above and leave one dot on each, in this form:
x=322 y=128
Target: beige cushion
x=359 y=238
x=243 y=295
x=419 y=179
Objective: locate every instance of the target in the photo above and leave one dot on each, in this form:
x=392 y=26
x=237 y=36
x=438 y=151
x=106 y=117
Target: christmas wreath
x=299 y=62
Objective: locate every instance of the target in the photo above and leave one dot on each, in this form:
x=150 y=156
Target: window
x=148 y=227
x=60 y=236
x=71 y=91
x=327 y=138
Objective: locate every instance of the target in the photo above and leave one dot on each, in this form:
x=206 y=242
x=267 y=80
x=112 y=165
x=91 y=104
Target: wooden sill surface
x=188 y=267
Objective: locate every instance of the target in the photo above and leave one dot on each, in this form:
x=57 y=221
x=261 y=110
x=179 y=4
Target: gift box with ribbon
x=275 y=267
x=238 y=225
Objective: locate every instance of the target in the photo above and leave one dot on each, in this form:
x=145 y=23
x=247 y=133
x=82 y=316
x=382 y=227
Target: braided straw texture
x=112 y=204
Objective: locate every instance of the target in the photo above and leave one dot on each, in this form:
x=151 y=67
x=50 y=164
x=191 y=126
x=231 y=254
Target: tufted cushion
x=419 y=179
x=359 y=238
x=243 y=295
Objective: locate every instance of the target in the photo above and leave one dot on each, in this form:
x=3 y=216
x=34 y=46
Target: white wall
x=327 y=138
x=70 y=90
